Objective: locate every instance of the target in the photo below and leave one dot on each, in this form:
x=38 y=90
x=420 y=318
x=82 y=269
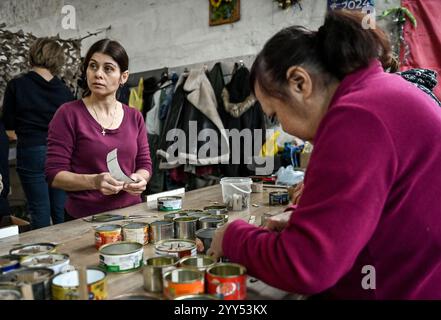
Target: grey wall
x=171 y=33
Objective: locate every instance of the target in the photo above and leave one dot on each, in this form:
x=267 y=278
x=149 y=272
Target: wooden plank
x=77 y=238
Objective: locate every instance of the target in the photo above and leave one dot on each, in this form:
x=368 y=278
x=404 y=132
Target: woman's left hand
x=138 y=187
x=216 y=244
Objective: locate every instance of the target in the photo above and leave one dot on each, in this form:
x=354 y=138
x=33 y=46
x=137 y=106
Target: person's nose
x=99 y=74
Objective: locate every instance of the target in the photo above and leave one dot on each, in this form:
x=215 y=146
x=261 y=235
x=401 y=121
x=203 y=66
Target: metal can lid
x=9 y=293
x=45 y=260
x=28 y=275
x=121 y=248
x=108 y=228
x=33 y=249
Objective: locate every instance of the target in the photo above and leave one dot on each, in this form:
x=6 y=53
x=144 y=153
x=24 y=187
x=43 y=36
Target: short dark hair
x=47 y=53
x=337 y=49
x=111 y=48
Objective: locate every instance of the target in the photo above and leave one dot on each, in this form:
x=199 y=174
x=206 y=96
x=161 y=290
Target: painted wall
x=158 y=33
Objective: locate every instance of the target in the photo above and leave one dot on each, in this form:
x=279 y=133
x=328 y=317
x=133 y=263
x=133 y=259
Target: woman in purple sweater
x=83 y=132
x=368 y=224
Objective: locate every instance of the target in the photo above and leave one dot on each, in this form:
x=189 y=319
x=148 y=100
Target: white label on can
x=123 y=262
x=136 y=235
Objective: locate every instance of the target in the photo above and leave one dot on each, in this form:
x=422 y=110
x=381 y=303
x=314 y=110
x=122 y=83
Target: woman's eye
x=109 y=69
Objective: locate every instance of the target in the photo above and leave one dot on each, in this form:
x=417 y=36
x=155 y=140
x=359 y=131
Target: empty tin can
x=171 y=216
x=185 y=227
x=136 y=232
x=161 y=230
x=223 y=216
x=53 y=261
x=198 y=215
x=227 y=281
x=65 y=286
x=38 y=278
x=121 y=257
x=176 y=247
x=211 y=222
x=205 y=236
x=216 y=209
x=9 y=292
x=180 y=282
x=33 y=249
x=9 y=263
x=154 y=269
x=106 y=234
x=199 y=262
x=170 y=203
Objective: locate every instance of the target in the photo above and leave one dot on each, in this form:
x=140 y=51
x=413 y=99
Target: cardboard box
x=23 y=225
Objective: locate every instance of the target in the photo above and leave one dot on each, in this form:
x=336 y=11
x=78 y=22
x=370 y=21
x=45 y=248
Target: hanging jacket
x=193 y=101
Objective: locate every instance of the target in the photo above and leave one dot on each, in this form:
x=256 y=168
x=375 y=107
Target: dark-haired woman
x=83 y=132
x=30 y=102
x=368 y=223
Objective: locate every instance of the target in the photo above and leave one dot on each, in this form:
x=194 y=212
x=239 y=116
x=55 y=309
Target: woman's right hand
x=108 y=185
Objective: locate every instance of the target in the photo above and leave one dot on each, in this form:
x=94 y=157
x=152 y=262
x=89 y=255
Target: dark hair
x=111 y=48
x=47 y=53
x=337 y=49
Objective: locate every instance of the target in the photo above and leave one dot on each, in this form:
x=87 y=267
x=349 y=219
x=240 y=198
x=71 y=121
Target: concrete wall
x=158 y=33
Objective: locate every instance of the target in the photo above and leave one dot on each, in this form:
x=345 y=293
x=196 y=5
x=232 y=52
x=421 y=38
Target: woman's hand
x=216 y=244
x=278 y=222
x=137 y=187
x=108 y=185
x=296 y=192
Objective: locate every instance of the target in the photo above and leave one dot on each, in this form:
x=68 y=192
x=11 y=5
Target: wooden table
x=76 y=238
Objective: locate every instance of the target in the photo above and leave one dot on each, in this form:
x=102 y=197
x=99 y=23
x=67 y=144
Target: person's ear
x=299 y=82
x=124 y=77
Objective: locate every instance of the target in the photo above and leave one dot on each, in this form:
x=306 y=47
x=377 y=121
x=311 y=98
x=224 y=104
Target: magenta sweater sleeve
x=143 y=160
x=338 y=212
x=60 y=144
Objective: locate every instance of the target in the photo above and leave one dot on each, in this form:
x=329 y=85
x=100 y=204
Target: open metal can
x=185 y=227
x=227 y=281
x=176 y=247
x=198 y=262
x=33 y=249
x=10 y=292
x=180 y=282
x=136 y=232
x=205 y=236
x=38 y=278
x=212 y=221
x=54 y=261
x=154 y=269
x=216 y=209
x=106 y=234
x=170 y=203
x=9 y=263
x=65 y=286
x=121 y=257
x=161 y=230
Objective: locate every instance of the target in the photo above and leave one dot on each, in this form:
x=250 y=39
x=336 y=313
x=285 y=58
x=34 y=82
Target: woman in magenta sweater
x=83 y=132
x=368 y=223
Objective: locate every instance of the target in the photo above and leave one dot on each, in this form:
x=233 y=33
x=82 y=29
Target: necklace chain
x=98 y=120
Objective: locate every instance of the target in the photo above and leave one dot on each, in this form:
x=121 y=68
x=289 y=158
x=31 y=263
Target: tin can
x=180 y=282
x=170 y=203
x=136 y=232
x=198 y=262
x=185 y=227
x=9 y=263
x=227 y=281
x=216 y=209
x=223 y=216
x=176 y=247
x=154 y=270
x=65 y=286
x=161 y=230
x=106 y=234
x=53 y=261
x=171 y=216
x=205 y=236
x=197 y=297
x=121 y=257
x=198 y=215
x=257 y=187
x=38 y=278
x=278 y=198
x=211 y=222
x=33 y=249
x=9 y=292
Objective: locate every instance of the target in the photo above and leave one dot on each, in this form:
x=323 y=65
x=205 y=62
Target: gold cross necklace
x=98 y=120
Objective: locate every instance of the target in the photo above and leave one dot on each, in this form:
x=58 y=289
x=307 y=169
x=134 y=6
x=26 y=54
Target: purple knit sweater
x=75 y=144
x=372 y=198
